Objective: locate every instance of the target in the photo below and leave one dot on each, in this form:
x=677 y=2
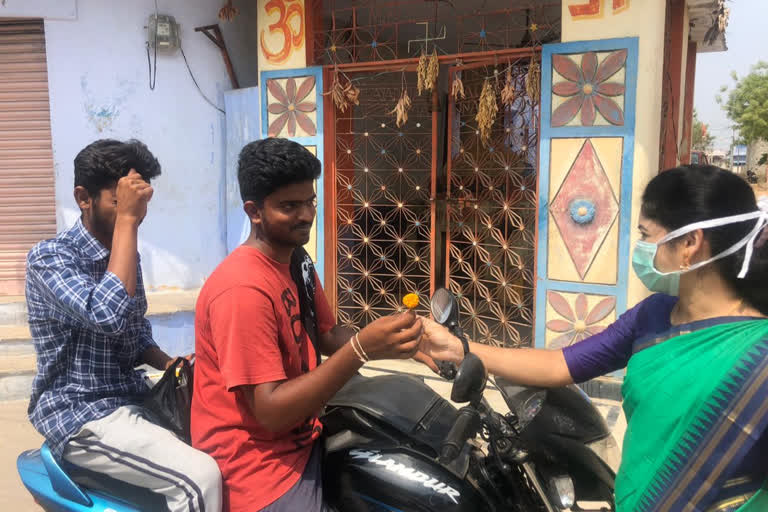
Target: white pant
x=127 y=446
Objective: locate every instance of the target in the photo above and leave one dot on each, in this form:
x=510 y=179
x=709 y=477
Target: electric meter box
x=167 y=31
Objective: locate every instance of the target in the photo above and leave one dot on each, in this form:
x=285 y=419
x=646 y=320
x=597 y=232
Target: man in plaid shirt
x=86 y=303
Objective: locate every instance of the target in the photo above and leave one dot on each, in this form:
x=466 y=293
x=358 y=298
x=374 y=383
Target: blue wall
x=175 y=333
x=243 y=126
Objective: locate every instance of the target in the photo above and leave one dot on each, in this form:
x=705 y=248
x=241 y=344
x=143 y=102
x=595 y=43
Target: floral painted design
x=588 y=89
x=290 y=107
x=577 y=323
x=582 y=211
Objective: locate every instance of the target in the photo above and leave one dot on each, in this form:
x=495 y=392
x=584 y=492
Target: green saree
x=696 y=402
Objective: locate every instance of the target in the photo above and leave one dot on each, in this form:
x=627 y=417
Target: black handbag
x=170 y=400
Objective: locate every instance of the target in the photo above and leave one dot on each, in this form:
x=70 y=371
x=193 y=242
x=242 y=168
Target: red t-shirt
x=248 y=331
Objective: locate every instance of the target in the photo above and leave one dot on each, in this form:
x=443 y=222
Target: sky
x=747 y=40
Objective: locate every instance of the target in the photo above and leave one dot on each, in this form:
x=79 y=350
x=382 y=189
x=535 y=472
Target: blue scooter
x=58 y=486
x=61 y=487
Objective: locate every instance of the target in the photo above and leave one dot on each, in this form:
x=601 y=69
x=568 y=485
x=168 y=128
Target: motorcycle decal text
x=411 y=474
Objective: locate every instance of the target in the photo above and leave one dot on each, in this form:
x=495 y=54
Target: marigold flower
x=411 y=301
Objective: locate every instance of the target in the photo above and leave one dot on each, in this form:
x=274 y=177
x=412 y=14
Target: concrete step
x=17 y=370
x=17 y=353
x=15 y=333
x=18 y=364
x=13 y=309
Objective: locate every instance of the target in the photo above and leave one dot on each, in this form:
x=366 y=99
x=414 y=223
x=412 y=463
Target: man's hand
x=392 y=337
x=133 y=195
x=438 y=342
x=171 y=360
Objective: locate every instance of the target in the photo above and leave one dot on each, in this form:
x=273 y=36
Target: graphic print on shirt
x=304 y=432
x=290 y=303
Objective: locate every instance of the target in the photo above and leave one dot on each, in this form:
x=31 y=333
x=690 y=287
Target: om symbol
x=293 y=38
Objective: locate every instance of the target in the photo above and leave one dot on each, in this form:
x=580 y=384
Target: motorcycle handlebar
x=463 y=429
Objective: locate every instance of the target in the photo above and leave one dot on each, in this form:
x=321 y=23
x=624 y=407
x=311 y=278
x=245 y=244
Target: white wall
x=98 y=78
x=52 y=9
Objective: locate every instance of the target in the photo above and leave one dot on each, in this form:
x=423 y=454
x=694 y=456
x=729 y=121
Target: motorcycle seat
x=403 y=402
x=45 y=475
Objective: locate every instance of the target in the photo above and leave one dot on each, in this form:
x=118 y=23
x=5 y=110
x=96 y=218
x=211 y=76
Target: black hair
x=102 y=163
x=694 y=193
x=269 y=164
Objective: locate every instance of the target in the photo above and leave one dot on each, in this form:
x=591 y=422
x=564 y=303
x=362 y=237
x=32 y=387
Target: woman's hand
x=391 y=337
x=427 y=361
x=438 y=342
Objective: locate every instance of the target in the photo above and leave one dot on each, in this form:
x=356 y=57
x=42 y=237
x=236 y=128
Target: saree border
x=652 y=340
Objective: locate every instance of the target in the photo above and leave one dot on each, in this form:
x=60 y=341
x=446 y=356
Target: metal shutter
x=27 y=201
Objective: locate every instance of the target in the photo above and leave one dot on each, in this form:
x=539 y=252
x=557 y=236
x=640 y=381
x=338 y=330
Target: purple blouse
x=611 y=349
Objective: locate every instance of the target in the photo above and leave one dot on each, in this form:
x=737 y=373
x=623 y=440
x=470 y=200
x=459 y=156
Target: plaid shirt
x=88 y=333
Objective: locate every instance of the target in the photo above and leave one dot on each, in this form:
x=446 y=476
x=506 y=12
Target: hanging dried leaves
x=432 y=71
x=228 y=12
x=427 y=71
x=508 y=92
x=352 y=94
x=402 y=108
x=421 y=72
x=486 y=111
x=533 y=81
x=457 y=88
x=343 y=95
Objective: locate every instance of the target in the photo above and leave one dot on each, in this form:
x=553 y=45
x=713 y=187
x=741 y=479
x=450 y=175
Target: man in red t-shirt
x=258 y=388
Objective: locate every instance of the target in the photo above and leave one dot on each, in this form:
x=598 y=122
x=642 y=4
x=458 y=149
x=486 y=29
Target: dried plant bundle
x=533 y=81
x=427 y=72
x=343 y=95
x=486 y=111
x=457 y=88
x=508 y=92
x=402 y=108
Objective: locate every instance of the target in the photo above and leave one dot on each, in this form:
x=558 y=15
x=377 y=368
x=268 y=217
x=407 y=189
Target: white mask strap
x=756 y=232
x=749 y=241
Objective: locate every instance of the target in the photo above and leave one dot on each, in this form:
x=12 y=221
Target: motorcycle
x=393 y=444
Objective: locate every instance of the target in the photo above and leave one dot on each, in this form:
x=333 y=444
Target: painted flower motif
x=290 y=108
x=579 y=324
x=587 y=88
x=582 y=211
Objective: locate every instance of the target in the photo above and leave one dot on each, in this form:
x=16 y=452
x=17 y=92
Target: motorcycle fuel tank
x=396 y=480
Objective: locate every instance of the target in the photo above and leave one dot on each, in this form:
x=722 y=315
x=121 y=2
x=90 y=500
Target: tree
x=701 y=140
x=747 y=103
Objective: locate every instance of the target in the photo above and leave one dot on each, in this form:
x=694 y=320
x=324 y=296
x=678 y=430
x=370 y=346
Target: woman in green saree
x=696 y=352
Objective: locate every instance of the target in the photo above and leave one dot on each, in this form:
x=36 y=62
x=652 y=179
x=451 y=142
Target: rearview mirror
x=444 y=308
x=470 y=380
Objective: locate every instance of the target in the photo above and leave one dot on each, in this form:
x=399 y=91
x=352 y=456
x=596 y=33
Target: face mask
x=644 y=255
x=642 y=262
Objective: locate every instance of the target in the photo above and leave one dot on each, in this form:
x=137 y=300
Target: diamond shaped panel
x=584 y=208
